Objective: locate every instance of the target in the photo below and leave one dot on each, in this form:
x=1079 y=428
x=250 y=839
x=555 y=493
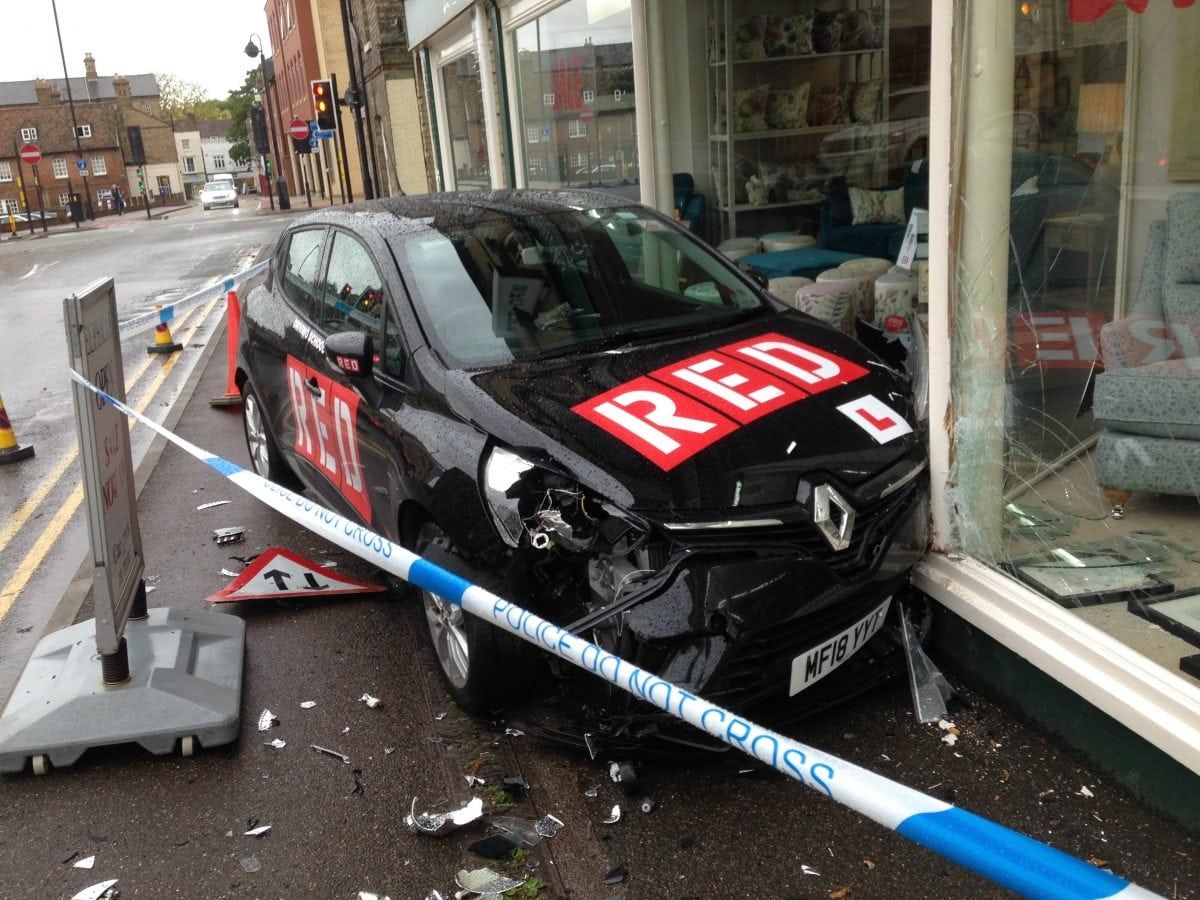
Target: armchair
x=1148 y=397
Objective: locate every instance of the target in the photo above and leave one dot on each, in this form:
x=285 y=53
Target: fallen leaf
x=869 y=864
x=839 y=893
x=1098 y=862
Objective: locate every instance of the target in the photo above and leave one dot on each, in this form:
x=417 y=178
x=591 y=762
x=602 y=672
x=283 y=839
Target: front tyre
x=265 y=458
x=483 y=667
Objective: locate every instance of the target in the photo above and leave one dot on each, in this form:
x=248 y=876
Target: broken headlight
x=550 y=509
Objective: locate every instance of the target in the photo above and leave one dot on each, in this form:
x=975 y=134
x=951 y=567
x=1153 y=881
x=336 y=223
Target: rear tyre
x=265 y=458
x=483 y=667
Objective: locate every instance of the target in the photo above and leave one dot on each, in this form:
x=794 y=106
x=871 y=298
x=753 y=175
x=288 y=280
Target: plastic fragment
x=473 y=780
x=250 y=864
x=516 y=783
x=228 y=574
x=614 y=772
x=494 y=846
x=592 y=791
x=434 y=895
x=356 y=786
x=328 y=564
x=388 y=751
x=211 y=504
x=346 y=730
x=307 y=704
x=342 y=756
x=613 y=817
x=615 y=875
x=485 y=881
x=68 y=856
x=372 y=702
x=950 y=738
x=439 y=716
x=229 y=535
x=96 y=891
x=368 y=895
x=809 y=870
x=929 y=687
x=277 y=744
x=258 y=832
x=1085 y=792
x=437 y=824
x=548 y=825
x=648 y=805
x=267 y=720
x=591 y=746
x=514 y=732
x=86 y=863
x=522 y=830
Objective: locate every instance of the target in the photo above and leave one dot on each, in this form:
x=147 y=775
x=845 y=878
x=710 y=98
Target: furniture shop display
x=807 y=262
x=1148 y=397
x=831 y=302
x=781 y=79
x=785 y=287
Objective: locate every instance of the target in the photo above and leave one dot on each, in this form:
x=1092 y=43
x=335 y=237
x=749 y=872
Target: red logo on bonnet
x=678 y=410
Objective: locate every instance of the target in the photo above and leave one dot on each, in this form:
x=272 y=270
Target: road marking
x=36 y=268
x=53 y=531
x=27 y=506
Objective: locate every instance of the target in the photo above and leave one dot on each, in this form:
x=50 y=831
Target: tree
x=179 y=97
x=238 y=104
x=239 y=151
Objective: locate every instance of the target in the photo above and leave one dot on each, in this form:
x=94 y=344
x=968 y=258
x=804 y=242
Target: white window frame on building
x=185 y=143
x=5 y=170
x=548 y=98
x=533 y=134
x=83 y=131
x=189 y=164
x=29 y=134
x=589 y=96
x=8 y=207
x=578 y=160
x=60 y=167
x=99 y=165
x=577 y=128
x=64 y=199
x=218 y=160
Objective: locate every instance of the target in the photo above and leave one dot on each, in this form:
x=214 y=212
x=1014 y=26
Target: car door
x=361 y=410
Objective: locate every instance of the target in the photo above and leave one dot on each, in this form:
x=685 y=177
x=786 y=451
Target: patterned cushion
x=1138 y=463
x=1161 y=399
x=1181 y=270
x=885 y=207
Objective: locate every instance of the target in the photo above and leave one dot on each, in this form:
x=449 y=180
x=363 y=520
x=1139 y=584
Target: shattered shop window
x=1076 y=310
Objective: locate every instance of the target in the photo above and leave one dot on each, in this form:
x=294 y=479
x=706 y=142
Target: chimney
x=89 y=66
x=44 y=91
x=123 y=91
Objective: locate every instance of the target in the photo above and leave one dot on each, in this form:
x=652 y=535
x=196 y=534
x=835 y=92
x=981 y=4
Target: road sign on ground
x=324 y=134
x=279 y=573
x=298 y=129
x=30 y=154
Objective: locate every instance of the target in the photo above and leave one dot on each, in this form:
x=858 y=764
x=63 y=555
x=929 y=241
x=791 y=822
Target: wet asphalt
x=173 y=827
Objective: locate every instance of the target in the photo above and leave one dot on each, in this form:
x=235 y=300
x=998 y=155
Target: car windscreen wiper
x=629 y=336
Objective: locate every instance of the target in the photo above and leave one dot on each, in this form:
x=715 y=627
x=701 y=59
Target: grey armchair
x=1148 y=397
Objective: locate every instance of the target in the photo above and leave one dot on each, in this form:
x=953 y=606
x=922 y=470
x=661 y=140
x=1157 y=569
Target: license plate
x=809 y=668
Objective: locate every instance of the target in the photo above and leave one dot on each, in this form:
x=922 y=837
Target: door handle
x=313 y=387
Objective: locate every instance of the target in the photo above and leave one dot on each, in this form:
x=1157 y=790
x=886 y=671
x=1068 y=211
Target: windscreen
x=511 y=288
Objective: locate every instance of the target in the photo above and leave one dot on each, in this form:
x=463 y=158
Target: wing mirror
x=351 y=351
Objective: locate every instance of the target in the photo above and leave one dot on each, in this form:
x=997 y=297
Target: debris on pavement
x=613 y=817
x=342 y=756
x=1085 y=791
x=230 y=535
x=307 y=704
x=250 y=864
x=548 y=826
x=228 y=574
x=346 y=730
x=356 y=786
x=648 y=805
x=929 y=688
x=68 y=856
x=328 y=564
x=211 y=504
x=437 y=824
x=277 y=744
x=258 y=832
x=96 y=891
x=86 y=863
x=267 y=720
x=592 y=791
x=951 y=735
x=473 y=780
x=839 y=893
x=615 y=875
x=494 y=846
x=388 y=751
x=809 y=870
x=434 y=895
x=368 y=895
x=514 y=732
x=440 y=716
x=516 y=783
x=522 y=830
x=372 y=702
x=485 y=881
x=614 y=772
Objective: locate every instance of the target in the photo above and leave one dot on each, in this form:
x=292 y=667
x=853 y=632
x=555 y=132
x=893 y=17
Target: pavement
x=719 y=827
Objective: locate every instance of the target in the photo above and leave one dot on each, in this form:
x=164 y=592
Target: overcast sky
x=200 y=42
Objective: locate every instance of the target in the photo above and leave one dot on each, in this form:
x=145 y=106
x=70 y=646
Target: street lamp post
x=253 y=50
x=87 y=191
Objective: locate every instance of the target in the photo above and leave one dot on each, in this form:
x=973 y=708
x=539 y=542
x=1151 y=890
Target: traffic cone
x=163 y=342
x=233 y=321
x=10 y=450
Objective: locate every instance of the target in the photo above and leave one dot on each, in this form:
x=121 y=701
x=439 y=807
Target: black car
x=570 y=400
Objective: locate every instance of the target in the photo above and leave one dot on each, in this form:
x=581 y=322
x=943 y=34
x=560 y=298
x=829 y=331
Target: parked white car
x=218 y=193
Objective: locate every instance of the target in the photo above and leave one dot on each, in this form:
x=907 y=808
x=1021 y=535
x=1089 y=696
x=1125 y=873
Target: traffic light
x=137 y=151
x=141 y=180
x=258 y=129
x=323 y=100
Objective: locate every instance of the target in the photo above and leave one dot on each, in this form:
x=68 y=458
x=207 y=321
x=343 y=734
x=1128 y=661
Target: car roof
x=416 y=213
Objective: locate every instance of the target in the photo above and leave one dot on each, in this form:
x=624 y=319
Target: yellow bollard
x=163 y=342
x=10 y=450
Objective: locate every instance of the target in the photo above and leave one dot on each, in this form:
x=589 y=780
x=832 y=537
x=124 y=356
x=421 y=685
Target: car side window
x=353 y=289
x=393 y=346
x=302 y=268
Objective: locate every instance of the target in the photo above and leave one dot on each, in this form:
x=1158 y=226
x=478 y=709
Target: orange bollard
x=163 y=342
x=10 y=450
x=233 y=321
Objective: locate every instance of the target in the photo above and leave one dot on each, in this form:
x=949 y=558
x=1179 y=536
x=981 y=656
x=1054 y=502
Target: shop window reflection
x=465 y=125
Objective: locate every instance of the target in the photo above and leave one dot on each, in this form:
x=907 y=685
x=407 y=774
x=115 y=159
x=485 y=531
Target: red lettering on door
x=660 y=423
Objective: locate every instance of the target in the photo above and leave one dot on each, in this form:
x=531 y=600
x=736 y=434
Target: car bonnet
x=634 y=425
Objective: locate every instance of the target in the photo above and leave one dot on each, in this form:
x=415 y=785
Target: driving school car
x=571 y=401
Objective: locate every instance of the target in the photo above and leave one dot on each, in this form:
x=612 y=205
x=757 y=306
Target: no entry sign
x=30 y=154
x=298 y=129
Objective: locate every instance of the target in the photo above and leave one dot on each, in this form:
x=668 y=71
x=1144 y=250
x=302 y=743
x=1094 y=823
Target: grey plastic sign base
x=185 y=682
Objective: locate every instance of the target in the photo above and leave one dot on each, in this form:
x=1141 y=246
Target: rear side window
x=354 y=298
x=302 y=268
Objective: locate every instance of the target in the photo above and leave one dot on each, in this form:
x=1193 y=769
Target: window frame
x=54 y=166
x=318 y=299
x=99 y=165
x=29 y=134
x=334 y=231
x=83 y=131
x=5 y=170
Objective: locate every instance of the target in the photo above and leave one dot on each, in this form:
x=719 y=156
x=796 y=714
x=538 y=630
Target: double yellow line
x=53 y=531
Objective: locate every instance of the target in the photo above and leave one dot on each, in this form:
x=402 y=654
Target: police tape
x=1007 y=857
x=158 y=316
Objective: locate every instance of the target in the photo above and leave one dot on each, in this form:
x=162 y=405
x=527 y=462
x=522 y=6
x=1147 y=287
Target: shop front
x=1052 y=153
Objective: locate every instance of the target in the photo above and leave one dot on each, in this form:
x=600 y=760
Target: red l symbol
x=877 y=424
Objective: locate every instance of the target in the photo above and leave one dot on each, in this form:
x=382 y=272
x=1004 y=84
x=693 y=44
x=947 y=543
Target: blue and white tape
x=154 y=317
x=1008 y=858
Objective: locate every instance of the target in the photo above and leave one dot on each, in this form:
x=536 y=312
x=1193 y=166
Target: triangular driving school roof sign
x=279 y=573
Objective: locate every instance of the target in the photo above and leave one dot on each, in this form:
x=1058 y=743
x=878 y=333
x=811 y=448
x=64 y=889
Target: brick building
x=105 y=106
x=295 y=63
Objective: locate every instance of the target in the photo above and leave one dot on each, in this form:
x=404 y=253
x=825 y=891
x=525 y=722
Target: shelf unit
x=791 y=146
